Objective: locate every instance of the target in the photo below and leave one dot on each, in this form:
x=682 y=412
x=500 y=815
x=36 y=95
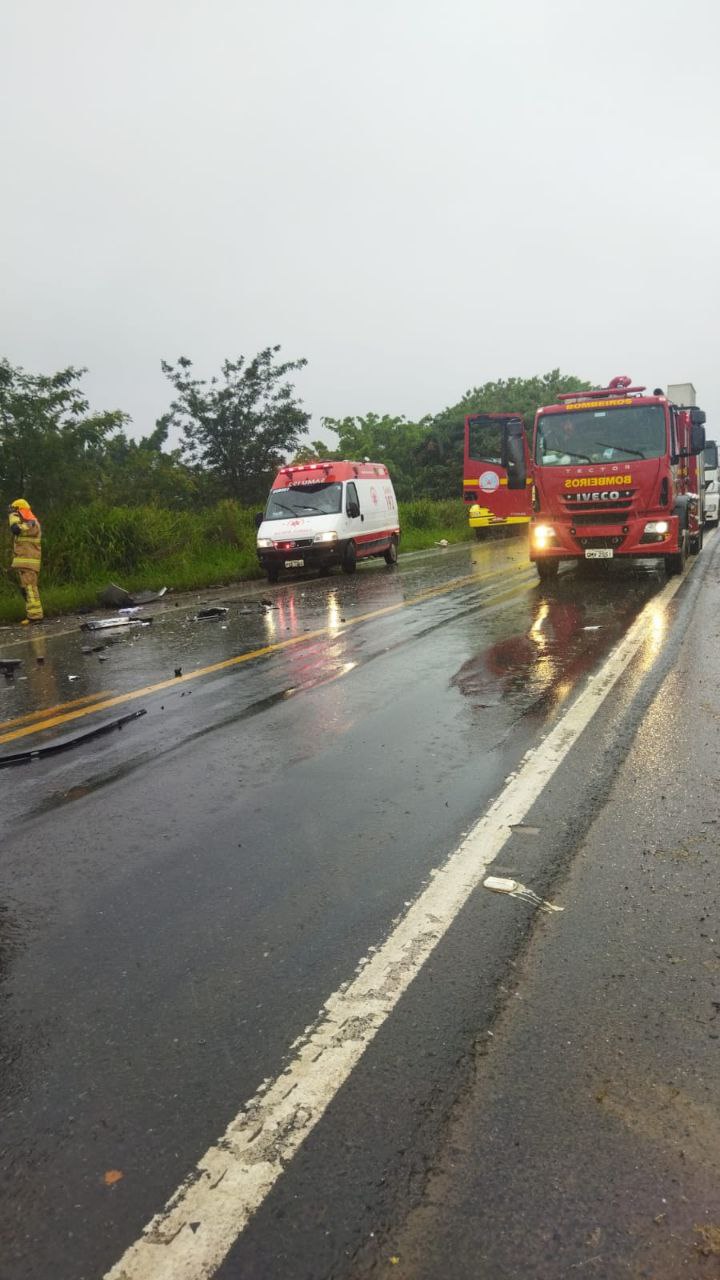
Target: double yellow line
x=65 y=713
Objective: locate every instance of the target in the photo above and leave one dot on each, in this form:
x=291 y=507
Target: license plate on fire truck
x=298 y=564
x=599 y=553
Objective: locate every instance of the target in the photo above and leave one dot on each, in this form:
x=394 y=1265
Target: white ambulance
x=321 y=514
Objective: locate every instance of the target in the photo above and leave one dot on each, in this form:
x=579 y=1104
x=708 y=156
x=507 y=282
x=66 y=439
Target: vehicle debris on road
x=54 y=748
x=103 y=624
x=114 y=597
x=213 y=611
x=514 y=889
x=9 y=666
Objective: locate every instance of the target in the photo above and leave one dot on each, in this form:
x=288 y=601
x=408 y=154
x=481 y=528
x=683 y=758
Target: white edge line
x=190 y=1237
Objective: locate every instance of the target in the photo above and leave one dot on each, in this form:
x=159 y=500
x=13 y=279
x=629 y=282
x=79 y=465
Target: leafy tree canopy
x=238 y=427
x=51 y=445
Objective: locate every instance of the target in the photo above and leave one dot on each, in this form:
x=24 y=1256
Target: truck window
x=351 y=495
x=600 y=435
x=485 y=441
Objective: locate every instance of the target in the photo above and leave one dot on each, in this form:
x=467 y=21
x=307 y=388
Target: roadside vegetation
x=175 y=507
x=144 y=547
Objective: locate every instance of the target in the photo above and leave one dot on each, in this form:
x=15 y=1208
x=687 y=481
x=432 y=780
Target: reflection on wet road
x=178 y=900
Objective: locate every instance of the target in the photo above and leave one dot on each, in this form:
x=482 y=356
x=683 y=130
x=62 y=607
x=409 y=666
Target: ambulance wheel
x=273 y=574
x=391 y=553
x=349 y=560
x=547 y=569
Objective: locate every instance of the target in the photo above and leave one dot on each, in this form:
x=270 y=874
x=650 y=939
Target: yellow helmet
x=21 y=504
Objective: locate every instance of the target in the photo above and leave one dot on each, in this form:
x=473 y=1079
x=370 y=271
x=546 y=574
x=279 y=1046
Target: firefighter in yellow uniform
x=25 y=529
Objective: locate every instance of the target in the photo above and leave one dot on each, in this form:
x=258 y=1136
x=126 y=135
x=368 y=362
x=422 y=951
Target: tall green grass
x=142 y=547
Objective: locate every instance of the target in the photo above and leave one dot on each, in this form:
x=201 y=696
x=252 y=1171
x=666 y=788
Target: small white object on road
x=498 y=884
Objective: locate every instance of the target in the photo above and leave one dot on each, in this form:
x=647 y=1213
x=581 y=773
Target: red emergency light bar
x=601 y=393
x=307 y=466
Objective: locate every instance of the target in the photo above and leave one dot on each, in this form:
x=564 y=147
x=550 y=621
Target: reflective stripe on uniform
x=25 y=562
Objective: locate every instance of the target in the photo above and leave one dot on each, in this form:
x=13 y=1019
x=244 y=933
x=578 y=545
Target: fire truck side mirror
x=697 y=436
x=514 y=455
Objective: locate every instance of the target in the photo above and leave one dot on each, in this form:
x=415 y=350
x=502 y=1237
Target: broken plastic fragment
x=112 y=1176
x=514 y=889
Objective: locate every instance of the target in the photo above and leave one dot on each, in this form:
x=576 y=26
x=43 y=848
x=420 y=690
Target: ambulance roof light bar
x=306 y=466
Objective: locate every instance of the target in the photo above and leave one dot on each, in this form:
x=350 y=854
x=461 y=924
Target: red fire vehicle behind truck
x=616 y=473
x=496 y=483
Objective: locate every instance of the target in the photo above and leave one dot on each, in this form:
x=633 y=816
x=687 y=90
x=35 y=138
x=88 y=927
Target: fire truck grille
x=602 y=543
x=596 y=517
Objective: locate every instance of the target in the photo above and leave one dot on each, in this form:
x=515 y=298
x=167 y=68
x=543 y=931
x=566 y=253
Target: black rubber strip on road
x=54 y=748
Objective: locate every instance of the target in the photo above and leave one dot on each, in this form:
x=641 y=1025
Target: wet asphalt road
x=178 y=899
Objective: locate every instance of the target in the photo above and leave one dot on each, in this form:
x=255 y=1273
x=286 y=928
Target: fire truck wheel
x=391 y=553
x=349 y=560
x=547 y=569
x=696 y=542
x=676 y=564
x=481 y=534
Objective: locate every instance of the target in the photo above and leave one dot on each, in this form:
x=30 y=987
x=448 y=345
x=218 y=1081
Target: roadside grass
x=148 y=547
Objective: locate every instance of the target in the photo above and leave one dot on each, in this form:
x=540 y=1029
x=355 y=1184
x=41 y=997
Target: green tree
x=240 y=426
x=51 y=446
x=141 y=472
x=388 y=439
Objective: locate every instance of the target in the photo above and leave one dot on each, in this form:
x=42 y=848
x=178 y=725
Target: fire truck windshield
x=304 y=500
x=600 y=435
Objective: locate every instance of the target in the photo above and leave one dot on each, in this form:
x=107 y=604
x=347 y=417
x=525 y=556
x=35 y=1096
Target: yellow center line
x=120 y=699
x=51 y=711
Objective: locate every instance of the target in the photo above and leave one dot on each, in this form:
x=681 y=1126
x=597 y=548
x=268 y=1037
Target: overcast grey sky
x=415 y=196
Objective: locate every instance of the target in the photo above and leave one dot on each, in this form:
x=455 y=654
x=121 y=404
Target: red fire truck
x=496 y=483
x=616 y=473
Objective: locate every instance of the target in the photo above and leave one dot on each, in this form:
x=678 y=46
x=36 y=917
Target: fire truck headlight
x=264 y=543
x=542 y=534
x=329 y=536
x=657 y=526
x=475 y=509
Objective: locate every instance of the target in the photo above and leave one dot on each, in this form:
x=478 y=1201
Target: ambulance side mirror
x=259 y=516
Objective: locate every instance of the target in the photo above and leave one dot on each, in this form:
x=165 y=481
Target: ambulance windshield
x=600 y=435
x=304 y=500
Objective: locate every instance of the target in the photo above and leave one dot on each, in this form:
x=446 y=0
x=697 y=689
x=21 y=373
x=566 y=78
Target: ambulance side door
x=353 y=518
